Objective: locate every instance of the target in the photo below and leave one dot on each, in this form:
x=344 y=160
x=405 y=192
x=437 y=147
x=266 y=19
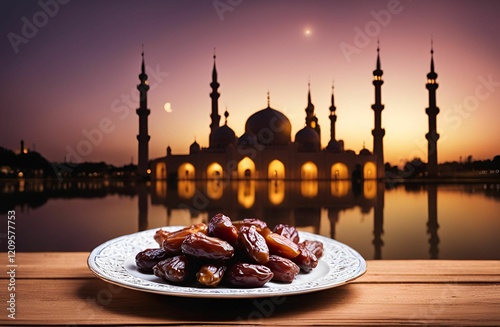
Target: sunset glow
x=75 y=79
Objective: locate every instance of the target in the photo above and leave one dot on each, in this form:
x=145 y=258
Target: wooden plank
x=431 y=271
x=52 y=265
x=94 y=302
x=74 y=265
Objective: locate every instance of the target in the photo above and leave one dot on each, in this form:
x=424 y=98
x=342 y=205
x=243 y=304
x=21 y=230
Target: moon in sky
x=168 y=107
x=307 y=32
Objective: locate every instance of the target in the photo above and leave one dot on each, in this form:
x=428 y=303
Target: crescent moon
x=168 y=107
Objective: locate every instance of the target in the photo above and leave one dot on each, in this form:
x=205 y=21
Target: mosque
x=266 y=150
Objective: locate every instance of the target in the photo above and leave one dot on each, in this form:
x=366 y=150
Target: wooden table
x=59 y=289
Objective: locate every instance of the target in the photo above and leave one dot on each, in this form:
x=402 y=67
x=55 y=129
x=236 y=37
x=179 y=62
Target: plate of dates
x=226 y=259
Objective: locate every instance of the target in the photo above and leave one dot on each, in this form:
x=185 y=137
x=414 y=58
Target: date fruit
x=207 y=248
x=173 y=241
x=254 y=244
x=175 y=269
x=284 y=269
x=221 y=226
x=306 y=260
x=147 y=259
x=281 y=246
x=160 y=236
x=259 y=224
x=316 y=247
x=247 y=275
x=211 y=274
x=287 y=231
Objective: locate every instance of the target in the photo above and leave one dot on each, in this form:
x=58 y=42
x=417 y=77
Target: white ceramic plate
x=114 y=262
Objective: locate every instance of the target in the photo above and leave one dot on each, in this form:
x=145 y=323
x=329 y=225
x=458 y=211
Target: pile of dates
x=244 y=253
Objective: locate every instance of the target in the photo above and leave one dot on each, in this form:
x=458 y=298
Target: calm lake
x=404 y=221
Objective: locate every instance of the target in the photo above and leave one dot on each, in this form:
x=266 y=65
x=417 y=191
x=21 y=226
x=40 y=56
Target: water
x=411 y=221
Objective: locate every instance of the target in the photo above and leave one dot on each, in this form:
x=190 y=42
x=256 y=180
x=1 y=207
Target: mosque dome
x=223 y=136
x=247 y=139
x=194 y=148
x=270 y=126
x=365 y=152
x=334 y=146
x=307 y=140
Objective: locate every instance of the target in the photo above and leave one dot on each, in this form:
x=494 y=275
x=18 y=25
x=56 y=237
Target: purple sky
x=72 y=82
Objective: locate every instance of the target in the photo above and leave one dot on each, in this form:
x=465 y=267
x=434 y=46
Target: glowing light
x=370 y=170
x=276 y=191
x=214 y=171
x=276 y=170
x=215 y=189
x=161 y=170
x=246 y=193
x=168 y=107
x=307 y=32
x=246 y=168
x=147 y=171
x=186 y=171
x=309 y=171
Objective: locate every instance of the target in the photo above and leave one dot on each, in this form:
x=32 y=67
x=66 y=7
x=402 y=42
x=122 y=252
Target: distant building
x=266 y=150
x=432 y=111
x=143 y=113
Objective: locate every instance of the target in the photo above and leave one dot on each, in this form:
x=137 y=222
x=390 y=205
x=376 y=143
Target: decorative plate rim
x=108 y=262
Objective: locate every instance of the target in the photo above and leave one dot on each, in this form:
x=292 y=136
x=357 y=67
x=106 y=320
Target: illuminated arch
x=214 y=171
x=186 y=171
x=246 y=168
x=339 y=171
x=309 y=171
x=276 y=170
x=161 y=170
x=370 y=170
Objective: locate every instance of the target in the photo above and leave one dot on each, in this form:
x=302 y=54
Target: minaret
x=333 y=117
x=215 y=117
x=311 y=119
x=432 y=136
x=378 y=132
x=143 y=113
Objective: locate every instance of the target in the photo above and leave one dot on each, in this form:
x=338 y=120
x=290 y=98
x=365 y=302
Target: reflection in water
x=378 y=219
x=214 y=189
x=186 y=188
x=340 y=188
x=337 y=209
x=432 y=222
x=246 y=193
x=309 y=188
x=276 y=191
x=142 y=201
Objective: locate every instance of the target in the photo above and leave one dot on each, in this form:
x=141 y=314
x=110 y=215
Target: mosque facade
x=268 y=149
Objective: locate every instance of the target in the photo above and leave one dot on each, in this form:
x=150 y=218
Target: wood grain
x=59 y=289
